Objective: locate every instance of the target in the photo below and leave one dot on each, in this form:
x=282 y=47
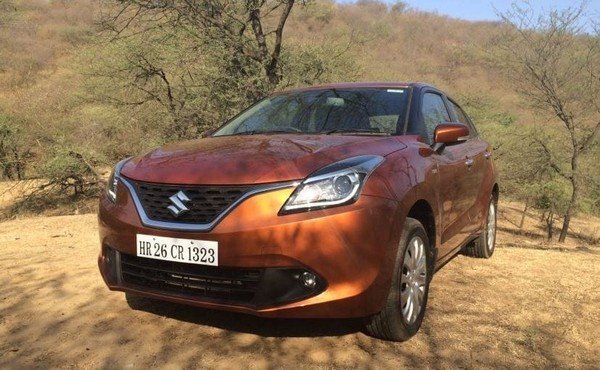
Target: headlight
x=333 y=185
x=113 y=181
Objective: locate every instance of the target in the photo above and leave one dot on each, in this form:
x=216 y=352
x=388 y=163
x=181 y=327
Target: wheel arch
x=422 y=211
x=496 y=192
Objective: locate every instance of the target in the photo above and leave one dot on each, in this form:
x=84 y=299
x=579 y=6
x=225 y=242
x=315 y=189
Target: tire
x=485 y=244
x=393 y=323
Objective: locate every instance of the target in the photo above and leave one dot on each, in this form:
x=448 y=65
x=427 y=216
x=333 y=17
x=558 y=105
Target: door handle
x=469 y=162
x=487 y=155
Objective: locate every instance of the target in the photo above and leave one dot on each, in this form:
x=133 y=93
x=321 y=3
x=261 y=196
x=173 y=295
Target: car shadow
x=243 y=323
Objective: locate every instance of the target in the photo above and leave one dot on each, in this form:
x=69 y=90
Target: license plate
x=199 y=252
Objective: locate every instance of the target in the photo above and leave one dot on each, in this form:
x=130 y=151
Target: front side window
x=434 y=112
x=461 y=116
x=367 y=110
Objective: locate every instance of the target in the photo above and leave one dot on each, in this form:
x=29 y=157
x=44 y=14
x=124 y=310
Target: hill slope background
x=63 y=116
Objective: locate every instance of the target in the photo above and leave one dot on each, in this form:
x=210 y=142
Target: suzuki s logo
x=178 y=207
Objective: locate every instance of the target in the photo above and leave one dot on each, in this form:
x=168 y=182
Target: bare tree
x=252 y=30
x=199 y=61
x=554 y=61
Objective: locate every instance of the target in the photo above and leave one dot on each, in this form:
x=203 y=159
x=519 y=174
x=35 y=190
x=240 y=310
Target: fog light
x=309 y=280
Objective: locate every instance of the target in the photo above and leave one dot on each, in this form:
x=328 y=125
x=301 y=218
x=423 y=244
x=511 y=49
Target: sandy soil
x=531 y=305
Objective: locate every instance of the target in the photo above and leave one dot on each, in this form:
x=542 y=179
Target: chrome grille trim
x=166 y=225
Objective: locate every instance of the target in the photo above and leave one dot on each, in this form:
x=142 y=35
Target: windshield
x=355 y=111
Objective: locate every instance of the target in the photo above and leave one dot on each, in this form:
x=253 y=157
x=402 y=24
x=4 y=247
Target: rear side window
x=434 y=112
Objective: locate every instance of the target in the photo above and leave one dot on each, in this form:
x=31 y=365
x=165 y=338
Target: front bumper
x=351 y=249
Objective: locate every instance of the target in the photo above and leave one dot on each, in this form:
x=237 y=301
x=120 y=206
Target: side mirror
x=207 y=133
x=450 y=133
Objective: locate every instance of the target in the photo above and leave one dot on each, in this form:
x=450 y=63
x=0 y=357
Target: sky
x=483 y=10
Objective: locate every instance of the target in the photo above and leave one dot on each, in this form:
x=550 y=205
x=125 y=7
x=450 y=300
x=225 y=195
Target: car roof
x=358 y=85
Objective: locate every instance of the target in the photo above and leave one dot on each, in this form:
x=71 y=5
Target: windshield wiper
x=362 y=131
x=257 y=132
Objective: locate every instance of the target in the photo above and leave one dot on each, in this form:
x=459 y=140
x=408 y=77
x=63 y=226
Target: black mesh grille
x=206 y=202
x=196 y=281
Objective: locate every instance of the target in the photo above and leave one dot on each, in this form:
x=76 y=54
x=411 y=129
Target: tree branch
x=587 y=141
x=550 y=161
x=272 y=67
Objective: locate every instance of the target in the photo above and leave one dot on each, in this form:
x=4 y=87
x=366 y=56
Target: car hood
x=251 y=159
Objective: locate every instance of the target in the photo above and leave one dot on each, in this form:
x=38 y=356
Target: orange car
x=331 y=201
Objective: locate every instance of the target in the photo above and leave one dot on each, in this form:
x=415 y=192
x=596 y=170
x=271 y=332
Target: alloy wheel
x=491 y=227
x=414 y=279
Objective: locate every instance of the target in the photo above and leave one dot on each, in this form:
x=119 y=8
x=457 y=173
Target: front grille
x=205 y=204
x=194 y=281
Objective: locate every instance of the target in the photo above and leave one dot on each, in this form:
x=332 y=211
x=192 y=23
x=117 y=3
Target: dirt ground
x=532 y=305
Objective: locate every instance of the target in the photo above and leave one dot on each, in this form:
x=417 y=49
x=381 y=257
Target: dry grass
x=584 y=231
x=27 y=198
x=525 y=307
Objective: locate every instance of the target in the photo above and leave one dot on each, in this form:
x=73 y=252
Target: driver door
x=452 y=165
